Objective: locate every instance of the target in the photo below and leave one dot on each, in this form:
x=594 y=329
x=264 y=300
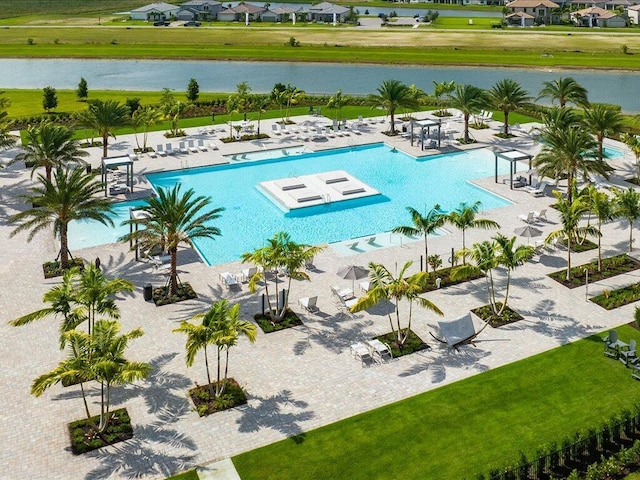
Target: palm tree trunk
x=64 y=247
x=392 y=116
x=218 y=378
x=406 y=335
x=568 y=258
x=173 y=287
x=506 y=122
x=399 y=336
x=599 y=246
x=466 y=128
x=630 y=234
x=104 y=422
x=84 y=399
x=48 y=169
x=101 y=424
x=206 y=365
x=506 y=294
x=426 y=253
x=105 y=140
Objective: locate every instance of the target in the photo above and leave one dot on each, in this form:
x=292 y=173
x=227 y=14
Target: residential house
x=244 y=12
x=199 y=10
x=543 y=11
x=605 y=4
x=282 y=14
x=633 y=13
x=520 y=19
x=155 y=11
x=328 y=12
x=597 y=17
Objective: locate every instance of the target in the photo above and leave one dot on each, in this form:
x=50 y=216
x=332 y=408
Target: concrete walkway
x=297 y=379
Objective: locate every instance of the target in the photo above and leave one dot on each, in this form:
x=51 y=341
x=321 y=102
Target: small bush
x=30 y=41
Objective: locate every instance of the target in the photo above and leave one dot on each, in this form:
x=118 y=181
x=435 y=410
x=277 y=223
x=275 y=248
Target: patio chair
x=132 y=155
x=247 y=273
x=628 y=355
x=539 y=191
x=360 y=351
x=275 y=129
x=612 y=345
x=213 y=146
x=380 y=349
x=192 y=147
x=309 y=303
x=182 y=147
x=635 y=373
x=528 y=218
x=160 y=151
x=228 y=279
x=365 y=286
x=169 y=149
x=201 y=146
x=541 y=215
x=371 y=241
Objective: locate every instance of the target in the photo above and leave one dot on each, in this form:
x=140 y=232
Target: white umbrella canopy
x=353 y=273
x=528 y=232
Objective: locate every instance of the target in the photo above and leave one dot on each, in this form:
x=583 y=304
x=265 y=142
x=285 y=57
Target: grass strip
x=465 y=428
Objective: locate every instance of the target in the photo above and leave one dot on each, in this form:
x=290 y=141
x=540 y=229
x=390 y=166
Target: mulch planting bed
x=85 y=438
x=507 y=317
x=206 y=403
x=161 y=295
x=413 y=344
x=611 y=267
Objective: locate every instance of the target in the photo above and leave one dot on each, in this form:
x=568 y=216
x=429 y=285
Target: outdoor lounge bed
x=302 y=195
x=458 y=331
x=348 y=188
x=332 y=177
x=290 y=184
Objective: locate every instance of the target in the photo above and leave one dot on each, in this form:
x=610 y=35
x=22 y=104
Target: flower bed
x=413 y=344
x=610 y=299
x=268 y=326
x=507 y=317
x=54 y=269
x=161 y=294
x=444 y=274
x=85 y=438
x=206 y=403
x=611 y=267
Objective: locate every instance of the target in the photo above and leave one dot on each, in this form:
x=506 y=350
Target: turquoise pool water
x=250 y=217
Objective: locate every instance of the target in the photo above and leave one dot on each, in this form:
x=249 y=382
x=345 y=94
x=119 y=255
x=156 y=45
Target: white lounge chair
x=309 y=303
x=365 y=286
x=132 y=155
x=182 y=147
x=160 y=151
x=152 y=153
x=541 y=215
x=353 y=246
x=360 y=351
x=371 y=241
x=275 y=129
x=247 y=273
x=192 y=147
x=201 y=146
x=539 y=191
x=213 y=146
x=381 y=349
x=169 y=149
x=528 y=218
x=228 y=279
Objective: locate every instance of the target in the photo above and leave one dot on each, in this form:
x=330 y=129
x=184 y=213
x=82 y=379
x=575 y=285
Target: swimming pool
x=250 y=217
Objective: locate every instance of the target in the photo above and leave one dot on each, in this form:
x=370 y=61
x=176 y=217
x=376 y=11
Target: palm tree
x=242 y=99
x=633 y=142
x=423 y=225
x=571 y=212
x=569 y=152
x=469 y=100
x=385 y=287
x=104 y=116
x=281 y=254
x=96 y=357
x=220 y=326
x=7 y=140
x=72 y=195
x=442 y=89
x=76 y=367
x=291 y=96
x=145 y=118
x=261 y=103
x=601 y=206
x=61 y=300
x=173 y=219
x=50 y=146
x=628 y=206
x=464 y=217
x=565 y=90
x=488 y=255
x=507 y=95
x=392 y=94
x=336 y=102
x=602 y=120
x=82 y=295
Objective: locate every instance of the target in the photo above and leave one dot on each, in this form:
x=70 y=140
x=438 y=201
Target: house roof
x=197 y=3
x=532 y=4
x=243 y=8
x=160 y=7
x=284 y=10
x=328 y=8
x=595 y=12
x=634 y=7
x=520 y=15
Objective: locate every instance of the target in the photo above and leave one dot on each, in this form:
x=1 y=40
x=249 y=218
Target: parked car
x=192 y=24
x=160 y=23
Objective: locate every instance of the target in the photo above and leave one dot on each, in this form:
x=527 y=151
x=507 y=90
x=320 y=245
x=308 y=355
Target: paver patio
x=297 y=379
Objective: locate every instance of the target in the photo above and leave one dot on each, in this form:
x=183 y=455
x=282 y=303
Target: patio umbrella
x=353 y=273
x=528 y=232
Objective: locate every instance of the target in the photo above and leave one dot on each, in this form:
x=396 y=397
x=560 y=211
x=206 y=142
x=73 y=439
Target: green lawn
x=188 y=475
x=465 y=428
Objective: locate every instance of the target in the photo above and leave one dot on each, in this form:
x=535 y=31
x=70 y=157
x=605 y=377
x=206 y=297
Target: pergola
x=513 y=156
x=423 y=125
x=109 y=163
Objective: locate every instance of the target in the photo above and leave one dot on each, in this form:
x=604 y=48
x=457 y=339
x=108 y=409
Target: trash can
x=148 y=292
x=88 y=168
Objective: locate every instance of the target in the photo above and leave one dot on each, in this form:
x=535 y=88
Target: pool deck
x=297 y=379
